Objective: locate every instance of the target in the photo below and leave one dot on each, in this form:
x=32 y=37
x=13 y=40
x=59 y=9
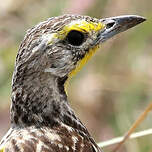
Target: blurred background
x=115 y=86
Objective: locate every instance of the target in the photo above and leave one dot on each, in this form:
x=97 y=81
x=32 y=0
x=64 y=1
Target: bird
x=51 y=52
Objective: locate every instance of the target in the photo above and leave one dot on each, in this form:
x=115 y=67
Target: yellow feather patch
x=81 y=63
x=81 y=25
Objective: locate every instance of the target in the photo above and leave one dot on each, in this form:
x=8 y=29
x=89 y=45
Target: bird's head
x=61 y=45
x=51 y=52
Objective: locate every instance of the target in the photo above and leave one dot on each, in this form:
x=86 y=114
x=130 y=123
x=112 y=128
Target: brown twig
x=134 y=126
x=119 y=139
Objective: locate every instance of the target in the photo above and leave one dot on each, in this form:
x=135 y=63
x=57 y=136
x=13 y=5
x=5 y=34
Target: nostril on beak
x=110 y=24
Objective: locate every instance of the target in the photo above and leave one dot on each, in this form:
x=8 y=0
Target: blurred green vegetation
x=114 y=87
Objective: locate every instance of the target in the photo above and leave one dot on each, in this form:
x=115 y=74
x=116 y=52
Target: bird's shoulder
x=59 y=139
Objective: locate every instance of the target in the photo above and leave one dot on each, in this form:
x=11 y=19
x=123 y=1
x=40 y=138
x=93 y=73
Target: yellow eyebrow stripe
x=81 y=25
x=84 y=25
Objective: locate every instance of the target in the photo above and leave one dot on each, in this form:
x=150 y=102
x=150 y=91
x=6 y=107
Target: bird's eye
x=75 y=38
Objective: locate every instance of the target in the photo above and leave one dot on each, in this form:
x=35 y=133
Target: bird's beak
x=115 y=25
